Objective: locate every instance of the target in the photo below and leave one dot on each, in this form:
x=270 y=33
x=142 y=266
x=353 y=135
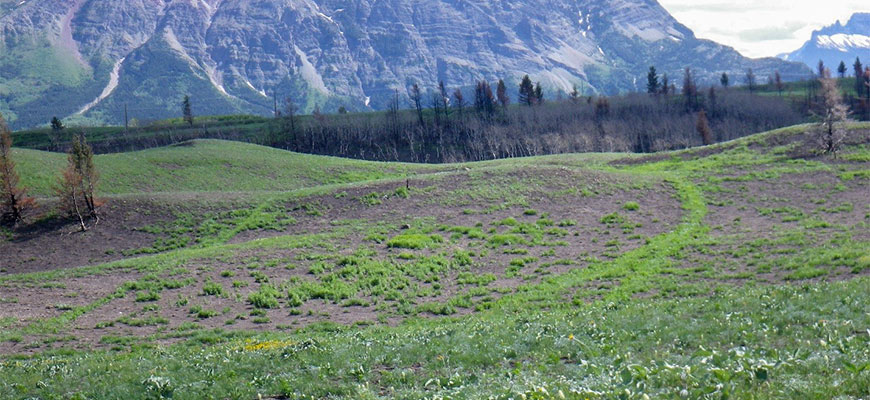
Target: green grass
x=769 y=342
x=208 y=166
x=655 y=315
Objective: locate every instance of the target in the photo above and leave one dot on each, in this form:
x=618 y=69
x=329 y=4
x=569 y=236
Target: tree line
x=446 y=126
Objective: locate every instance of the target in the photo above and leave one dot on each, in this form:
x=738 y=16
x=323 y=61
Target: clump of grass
x=147 y=296
x=509 y=221
x=613 y=219
x=462 y=258
x=202 y=313
x=403 y=192
x=265 y=297
x=414 y=241
x=631 y=206
x=507 y=239
x=212 y=289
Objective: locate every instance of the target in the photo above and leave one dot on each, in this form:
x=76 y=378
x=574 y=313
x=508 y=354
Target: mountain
x=836 y=43
x=91 y=59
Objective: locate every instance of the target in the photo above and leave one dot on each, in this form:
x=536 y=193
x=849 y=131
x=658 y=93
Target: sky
x=761 y=28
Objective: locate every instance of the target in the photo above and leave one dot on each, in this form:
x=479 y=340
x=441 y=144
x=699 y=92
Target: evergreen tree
x=820 y=68
x=14 y=201
x=724 y=80
x=841 y=70
x=859 y=73
x=459 y=101
x=187 y=111
x=527 y=91
x=575 y=94
x=652 y=81
x=56 y=132
x=690 y=89
x=484 y=101
x=666 y=84
x=501 y=94
x=539 y=93
x=56 y=124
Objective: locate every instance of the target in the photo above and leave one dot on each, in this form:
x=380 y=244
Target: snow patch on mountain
x=843 y=42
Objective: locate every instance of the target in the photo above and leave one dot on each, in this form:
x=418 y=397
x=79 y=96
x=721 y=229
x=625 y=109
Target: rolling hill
x=736 y=270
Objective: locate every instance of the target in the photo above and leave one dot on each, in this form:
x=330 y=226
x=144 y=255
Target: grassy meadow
x=738 y=270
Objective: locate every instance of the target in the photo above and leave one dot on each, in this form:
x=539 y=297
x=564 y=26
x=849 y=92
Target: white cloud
x=760 y=28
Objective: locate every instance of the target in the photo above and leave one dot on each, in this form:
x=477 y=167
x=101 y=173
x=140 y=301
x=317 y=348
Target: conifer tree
x=527 y=91
x=539 y=93
x=724 y=80
x=56 y=124
x=459 y=101
x=841 y=70
x=575 y=94
x=501 y=94
x=859 y=73
x=187 y=111
x=14 y=201
x=652 y=81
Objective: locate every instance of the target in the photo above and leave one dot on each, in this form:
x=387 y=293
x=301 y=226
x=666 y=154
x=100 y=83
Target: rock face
x=836 y=43
x=91 y=58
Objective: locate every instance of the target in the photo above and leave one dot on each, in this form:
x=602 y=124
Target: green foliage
x=147 y=296
x=415 y=241
x=265 y=297
x=631 y=206
x=212 y=289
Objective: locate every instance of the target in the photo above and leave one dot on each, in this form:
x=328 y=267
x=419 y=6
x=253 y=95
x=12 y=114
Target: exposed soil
x=358 y=219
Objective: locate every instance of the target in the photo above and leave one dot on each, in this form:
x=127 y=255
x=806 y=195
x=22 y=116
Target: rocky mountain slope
x=91 y=58
x=836 y=43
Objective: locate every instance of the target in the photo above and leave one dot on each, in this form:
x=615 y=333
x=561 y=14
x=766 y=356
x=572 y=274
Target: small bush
x=265 y=297
x=212 y=289
x=414 y=241
x=631 y=206
x=147 y=296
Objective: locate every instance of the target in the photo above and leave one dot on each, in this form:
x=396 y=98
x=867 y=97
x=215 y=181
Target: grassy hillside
x=739 y=270
x=208 y=165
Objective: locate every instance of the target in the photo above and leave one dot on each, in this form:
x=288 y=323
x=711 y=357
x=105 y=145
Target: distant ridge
x=61 y=57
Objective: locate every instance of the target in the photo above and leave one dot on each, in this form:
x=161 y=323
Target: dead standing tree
x=831 y=130
x=77 y=186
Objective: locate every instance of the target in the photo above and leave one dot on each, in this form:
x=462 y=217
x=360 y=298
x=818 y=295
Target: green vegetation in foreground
x=806 y=342
x=587 y=333
x=209 y=165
